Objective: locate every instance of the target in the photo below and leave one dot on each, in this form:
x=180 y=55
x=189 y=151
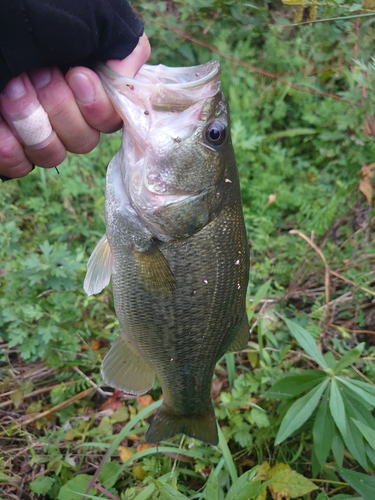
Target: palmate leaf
x=338 y=447
x=293 y=385
x=362 y=483
x=349 y=358
x=300 y=411
x=306 y=341
x=323 y=430
x=367 y=432
x=364 y=392
x=336 y=405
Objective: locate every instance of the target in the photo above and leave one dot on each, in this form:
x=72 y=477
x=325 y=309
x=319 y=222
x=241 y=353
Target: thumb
x=132 y=63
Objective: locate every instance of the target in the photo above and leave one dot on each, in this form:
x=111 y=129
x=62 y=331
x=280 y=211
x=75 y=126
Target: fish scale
x=179 y=260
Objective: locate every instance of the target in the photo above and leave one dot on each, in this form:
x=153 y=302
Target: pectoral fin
x=154 y=270
x=124 y=369
x=242 y=338
x=99 y=267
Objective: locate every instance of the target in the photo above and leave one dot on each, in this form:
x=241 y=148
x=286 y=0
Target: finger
x=133 y=62
x=66 y=118
x=90 y=94
x=92 y=100
x=13 y=161
x=29 y=123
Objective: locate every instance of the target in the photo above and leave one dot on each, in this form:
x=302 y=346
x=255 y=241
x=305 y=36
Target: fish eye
x=215 y=133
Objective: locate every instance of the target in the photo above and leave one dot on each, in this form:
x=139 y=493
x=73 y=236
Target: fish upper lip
x=173 y=78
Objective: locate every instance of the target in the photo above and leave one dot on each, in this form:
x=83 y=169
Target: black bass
x=175 y=244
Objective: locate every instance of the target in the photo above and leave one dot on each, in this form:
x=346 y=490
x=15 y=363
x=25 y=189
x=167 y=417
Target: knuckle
x=87 y=142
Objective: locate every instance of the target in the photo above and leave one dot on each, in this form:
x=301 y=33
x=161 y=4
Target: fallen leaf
x=145 y=400
x=125 y=453
x=144 y=446
x=139 y=472
x=289 y=484
x=271 y=199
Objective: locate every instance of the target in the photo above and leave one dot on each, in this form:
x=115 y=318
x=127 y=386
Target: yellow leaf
x=125 y=453
x=289 y=483
x=139 y=472
x=145 y=400
x=16 y=397
x=262 y=471
x=365 y=187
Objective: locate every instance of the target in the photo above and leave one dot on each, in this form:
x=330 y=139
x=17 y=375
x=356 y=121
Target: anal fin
x=124 y=369
x=242 y=338
x=99 y=267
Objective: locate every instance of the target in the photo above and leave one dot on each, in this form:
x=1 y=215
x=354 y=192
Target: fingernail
x=82 y=88
x=15 y=88
x=40 y=77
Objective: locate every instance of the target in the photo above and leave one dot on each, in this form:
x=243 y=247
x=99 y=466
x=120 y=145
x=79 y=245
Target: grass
x=309 y=215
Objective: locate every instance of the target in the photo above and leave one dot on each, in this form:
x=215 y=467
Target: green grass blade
x=231 y=367
x=212 y=487
x=223 y=446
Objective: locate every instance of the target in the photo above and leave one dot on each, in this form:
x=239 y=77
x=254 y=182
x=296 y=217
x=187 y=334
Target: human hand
x=44 y=114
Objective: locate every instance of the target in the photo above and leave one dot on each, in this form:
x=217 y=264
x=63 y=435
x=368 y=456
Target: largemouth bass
x=175 y=244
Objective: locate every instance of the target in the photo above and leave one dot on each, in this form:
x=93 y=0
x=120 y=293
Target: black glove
x=64 y=33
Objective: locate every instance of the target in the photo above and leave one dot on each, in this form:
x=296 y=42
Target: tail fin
x=166 y=424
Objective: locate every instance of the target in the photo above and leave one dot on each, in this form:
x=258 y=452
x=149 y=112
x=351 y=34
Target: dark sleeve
x=65 y=33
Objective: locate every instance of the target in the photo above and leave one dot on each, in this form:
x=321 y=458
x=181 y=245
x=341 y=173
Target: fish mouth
x=180 y=78
x=161 y=88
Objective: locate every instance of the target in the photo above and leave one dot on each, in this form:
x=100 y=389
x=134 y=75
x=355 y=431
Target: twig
x=367 y=290
x=95 y=386
x=64 y=404
x=326 y=267
x=108 y=494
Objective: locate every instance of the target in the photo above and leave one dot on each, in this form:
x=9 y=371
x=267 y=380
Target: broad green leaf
x=289 y=483
x=293 y=385
x=299 y=412
x=367 y=432
x=212 y=487
x=260 y=294
x=108 y=474
x=362 y=483
x=243 y=488
x=42 y=485
x=75 y=488
x=306 y=341
x=364 y=394
x=167 y=492
x=350 y=357
x=323 y=430
x=336 y=405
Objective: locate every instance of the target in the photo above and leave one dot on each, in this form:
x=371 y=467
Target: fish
x=175 y=244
